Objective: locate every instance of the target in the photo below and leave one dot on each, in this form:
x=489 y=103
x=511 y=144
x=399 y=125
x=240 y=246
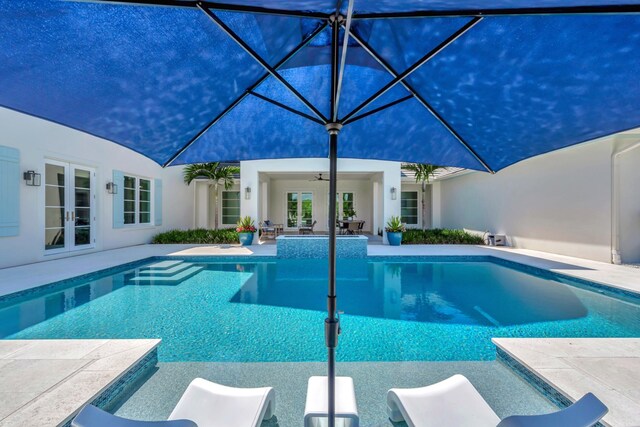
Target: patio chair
x=203 y=404
x=267 y=229
x=455 y=402
x=353 y=228
x=307 y=229
x=360 y=227
x=342 y=226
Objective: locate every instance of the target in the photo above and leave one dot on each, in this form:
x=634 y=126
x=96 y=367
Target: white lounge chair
x=455 y=402
x=203 y=404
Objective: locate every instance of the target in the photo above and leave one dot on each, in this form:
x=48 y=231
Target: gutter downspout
x=615 y=202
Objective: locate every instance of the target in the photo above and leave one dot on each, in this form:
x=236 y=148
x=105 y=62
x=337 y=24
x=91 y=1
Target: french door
x=344 y=204
x=299 y=208
x=69 y=217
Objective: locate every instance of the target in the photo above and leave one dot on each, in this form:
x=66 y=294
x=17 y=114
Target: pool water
x=268 y=309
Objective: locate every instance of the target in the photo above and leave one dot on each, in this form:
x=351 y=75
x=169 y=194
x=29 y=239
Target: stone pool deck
x=607 y=367
x=46 y=382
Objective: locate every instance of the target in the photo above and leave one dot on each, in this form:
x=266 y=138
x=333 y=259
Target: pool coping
x=564 y=369
x=46 y=382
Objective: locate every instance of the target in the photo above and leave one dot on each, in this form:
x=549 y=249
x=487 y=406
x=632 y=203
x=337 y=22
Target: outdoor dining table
x=344 y=224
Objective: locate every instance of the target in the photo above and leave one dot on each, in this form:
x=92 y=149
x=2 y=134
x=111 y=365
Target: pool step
x=165 y=272
x=163 y=265
x=180 y=272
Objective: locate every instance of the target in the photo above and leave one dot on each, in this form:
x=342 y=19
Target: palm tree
x=423 y=173
x=215 y=175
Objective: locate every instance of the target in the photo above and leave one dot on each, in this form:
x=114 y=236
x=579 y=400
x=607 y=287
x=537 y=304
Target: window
x=137 y=200
x=292 y=210
x=230 y=207
x=347 y=204
x=409 y=207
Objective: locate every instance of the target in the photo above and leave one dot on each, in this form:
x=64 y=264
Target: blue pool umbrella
x=450 y=82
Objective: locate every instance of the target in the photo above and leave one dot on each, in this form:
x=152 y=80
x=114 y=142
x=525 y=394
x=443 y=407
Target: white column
x=390 y=179
x=202 y=205
x=249 y=179
x=436 y=205
x=264 y=200
x=375 y=197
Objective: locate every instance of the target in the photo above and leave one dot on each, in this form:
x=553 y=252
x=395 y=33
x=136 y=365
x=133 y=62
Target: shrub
x=197 y=236
x=439 y=236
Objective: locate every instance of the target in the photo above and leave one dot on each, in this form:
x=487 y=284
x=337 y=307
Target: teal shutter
x=157 y=201
x=9 y=191
x=118 y=200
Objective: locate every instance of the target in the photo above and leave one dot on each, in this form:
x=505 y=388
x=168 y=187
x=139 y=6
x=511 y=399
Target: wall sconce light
x=32 y=179
x=394 y=193
x=112 y=188
x=247 y=193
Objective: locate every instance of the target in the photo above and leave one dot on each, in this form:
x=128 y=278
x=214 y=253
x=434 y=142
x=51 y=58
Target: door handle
x=73 y=215
x=67 y=215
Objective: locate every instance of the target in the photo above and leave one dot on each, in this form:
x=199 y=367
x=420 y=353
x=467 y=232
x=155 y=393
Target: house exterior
x=582 y=201
x=295 y=192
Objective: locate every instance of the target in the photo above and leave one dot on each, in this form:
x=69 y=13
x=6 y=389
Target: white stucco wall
x=559 y=202
x=362 y=189
x=629 y=205
x=39 y=140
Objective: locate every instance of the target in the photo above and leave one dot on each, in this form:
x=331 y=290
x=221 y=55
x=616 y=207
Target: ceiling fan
x=318 y=178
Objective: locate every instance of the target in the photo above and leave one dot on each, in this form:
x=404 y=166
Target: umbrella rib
x=377 y=110
x=343 y=60
x=525 y=11
x=400 y=77
x=286 y=107
x=262 y=62
x=334 y=66
x=193 y=4
x=257 y=83
x=419 y=98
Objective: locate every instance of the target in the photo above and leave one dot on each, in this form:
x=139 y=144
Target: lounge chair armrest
x=91 y=416
x=583 y=413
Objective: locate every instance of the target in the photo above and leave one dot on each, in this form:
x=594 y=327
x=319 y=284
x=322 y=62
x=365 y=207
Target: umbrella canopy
x=448 y=82
x=173 y=85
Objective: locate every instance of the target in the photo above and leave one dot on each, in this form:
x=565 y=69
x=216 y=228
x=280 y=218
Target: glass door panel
x=69 y=204
x=306 y=209
x=81 y=216
x=292 y=210
x=55 y=206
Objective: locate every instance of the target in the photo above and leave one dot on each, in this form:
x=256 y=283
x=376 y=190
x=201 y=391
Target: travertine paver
x=44 y=382
x=607 y=367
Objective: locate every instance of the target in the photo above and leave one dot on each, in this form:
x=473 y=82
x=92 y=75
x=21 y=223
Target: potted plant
x=350 y=213
x=394 y=230
x=245 y=230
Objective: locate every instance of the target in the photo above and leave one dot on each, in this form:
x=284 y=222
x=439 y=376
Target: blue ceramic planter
x=395 y=239
x=246 y=238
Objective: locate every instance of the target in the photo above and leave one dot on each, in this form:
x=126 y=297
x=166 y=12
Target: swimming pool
x=266 y=309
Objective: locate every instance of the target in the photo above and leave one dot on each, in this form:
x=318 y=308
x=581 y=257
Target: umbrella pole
x=332 y=322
